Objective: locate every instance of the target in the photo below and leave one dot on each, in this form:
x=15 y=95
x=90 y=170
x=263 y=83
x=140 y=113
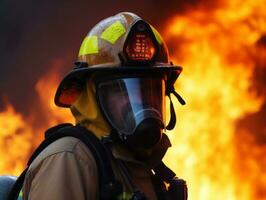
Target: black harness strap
x=165 y=173
x=14 y=193
x=177 y=187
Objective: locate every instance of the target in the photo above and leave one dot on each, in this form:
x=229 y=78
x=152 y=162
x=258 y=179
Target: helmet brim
x=73 y=83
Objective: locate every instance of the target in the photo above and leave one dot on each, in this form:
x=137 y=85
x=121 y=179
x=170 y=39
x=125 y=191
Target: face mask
x=135 y=108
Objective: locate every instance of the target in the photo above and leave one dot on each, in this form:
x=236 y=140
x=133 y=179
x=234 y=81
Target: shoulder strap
x=177 y=188
x=108 y=186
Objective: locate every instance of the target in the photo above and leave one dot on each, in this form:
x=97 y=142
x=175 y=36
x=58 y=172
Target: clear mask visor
x=126 y=102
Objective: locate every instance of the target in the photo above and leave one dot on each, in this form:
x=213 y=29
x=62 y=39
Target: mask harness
x=172 y=122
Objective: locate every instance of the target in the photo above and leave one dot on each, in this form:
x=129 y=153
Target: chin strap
x=172 y=121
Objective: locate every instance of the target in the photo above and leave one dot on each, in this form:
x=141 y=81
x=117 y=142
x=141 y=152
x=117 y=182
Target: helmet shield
x=129 y=101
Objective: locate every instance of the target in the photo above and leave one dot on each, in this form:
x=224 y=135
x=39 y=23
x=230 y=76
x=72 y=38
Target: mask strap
x=172 y=121
x=179 y=98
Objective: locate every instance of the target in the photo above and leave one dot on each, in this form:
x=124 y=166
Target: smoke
x=35 y=33
x=255 y=123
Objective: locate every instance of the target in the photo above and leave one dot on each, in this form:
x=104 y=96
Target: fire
x=15 y=141
x=216 y=48
x=20 y=134
x=46 y=88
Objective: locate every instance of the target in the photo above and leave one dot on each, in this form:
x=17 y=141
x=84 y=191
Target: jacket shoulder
x=63 y=145
x=65 y=163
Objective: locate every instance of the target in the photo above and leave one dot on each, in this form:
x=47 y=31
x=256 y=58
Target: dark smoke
x=256 y=122
x=33 y=33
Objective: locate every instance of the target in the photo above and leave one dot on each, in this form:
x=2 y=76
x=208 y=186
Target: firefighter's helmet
x=121 y=43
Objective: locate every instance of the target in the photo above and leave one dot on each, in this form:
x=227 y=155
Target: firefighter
x=117 y=91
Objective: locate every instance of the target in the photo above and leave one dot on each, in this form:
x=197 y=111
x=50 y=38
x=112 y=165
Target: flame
x=46 y=88
x=216 y=48
x=15 y=141
x=21 y=134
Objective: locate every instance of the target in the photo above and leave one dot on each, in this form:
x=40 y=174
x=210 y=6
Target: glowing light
x=140 y=47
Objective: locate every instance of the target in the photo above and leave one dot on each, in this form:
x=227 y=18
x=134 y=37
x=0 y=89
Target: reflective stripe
x=20 y=196
x=157 y=35
x=125 y=196
x=89 y=45
x=113 y=32
x=20 y=193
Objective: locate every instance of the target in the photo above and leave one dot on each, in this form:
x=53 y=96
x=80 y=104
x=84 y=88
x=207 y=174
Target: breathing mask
x=134 y=107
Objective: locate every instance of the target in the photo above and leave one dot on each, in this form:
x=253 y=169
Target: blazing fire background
x=219 y=143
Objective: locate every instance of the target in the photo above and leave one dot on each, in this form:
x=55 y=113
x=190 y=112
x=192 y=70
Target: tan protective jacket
x=66 y=170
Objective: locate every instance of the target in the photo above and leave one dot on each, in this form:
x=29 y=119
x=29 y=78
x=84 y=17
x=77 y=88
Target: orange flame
x=216 y=48
x=19 y=135
x=15 y=141
x=46 y=88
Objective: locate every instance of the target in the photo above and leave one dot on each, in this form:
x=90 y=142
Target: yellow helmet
x=121 y=43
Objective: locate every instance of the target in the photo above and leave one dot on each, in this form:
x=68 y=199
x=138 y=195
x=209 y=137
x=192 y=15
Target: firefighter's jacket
x=66 y=170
